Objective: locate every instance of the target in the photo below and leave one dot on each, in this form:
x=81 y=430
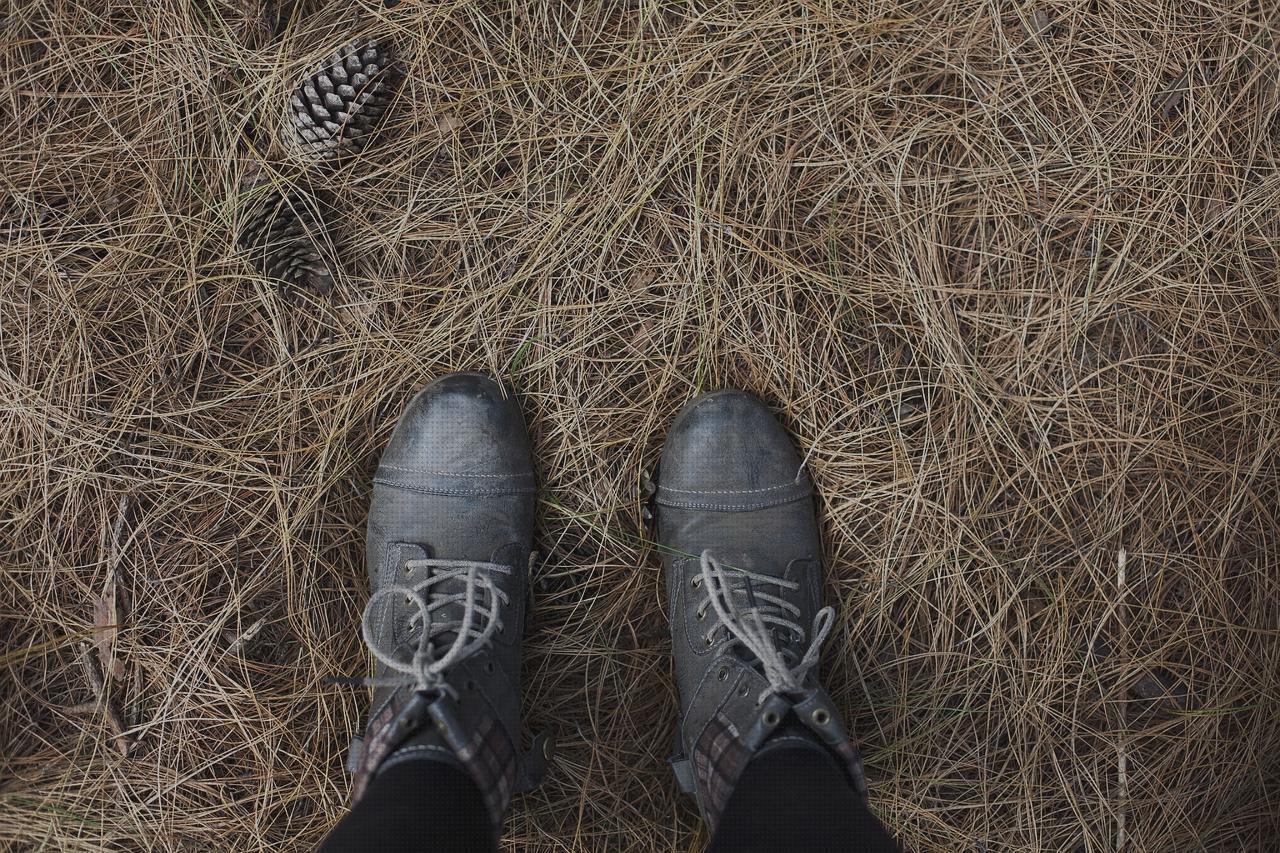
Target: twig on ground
x=1170 y=98
x=246 y=636
x=119 y=733
x=107 y=612
x=1040 y=22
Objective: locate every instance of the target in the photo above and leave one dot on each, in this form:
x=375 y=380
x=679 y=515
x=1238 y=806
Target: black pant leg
x=797 y=800
x=426 y=806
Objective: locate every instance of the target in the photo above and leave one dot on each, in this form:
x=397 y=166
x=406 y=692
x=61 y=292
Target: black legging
x=786 y=800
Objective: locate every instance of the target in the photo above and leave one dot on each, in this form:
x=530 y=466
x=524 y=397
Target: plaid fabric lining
x=488 y=755
x=853 y=763
x=491 y=760
x=377 y=743
x=719 y=758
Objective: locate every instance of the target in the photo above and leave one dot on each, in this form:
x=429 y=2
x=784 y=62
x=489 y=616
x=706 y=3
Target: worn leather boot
x=742 y=556
x=449 y=543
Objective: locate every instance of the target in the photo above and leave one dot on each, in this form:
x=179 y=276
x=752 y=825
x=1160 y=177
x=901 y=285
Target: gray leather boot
x=449 y=543
x=742 y=556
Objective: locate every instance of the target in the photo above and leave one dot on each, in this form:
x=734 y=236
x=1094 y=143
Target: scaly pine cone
x=282 y=239
x=335 y=111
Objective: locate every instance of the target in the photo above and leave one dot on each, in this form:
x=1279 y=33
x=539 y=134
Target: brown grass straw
x=1008 y=271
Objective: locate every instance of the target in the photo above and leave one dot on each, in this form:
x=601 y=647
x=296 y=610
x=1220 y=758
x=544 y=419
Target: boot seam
x=729 y=507
x=732 y=491
x=428 y=490
x=426 y=473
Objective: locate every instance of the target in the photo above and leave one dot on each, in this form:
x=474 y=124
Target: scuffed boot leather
x=450 y=535
x=742 y=556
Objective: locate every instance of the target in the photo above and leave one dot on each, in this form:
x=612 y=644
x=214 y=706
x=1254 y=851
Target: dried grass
x=1008 y=271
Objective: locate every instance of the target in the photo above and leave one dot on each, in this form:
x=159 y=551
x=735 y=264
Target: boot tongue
x=794 y=734
x=453 y=612
x=425 y=743
x=744 y=591
x=731 y=559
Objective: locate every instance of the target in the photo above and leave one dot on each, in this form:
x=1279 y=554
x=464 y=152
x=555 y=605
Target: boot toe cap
x=727 y=449
x=459 y=433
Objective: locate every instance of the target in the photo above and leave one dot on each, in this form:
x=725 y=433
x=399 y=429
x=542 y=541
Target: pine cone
x=282 y=239
x=336 y=109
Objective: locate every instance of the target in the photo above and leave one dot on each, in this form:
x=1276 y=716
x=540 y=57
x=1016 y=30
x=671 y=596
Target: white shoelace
x=750 y=626
x=471 y=633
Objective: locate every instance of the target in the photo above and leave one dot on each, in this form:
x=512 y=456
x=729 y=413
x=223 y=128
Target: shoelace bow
x=472 y=632
x=751 y=626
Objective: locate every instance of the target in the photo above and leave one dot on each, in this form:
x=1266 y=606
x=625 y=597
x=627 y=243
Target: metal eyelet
x=771 y=718
x=821 y=717
x=723 y=673
x=707 y=637
x=488 y=667
x=702 y=614
x=697 y=581
x=744 y=689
